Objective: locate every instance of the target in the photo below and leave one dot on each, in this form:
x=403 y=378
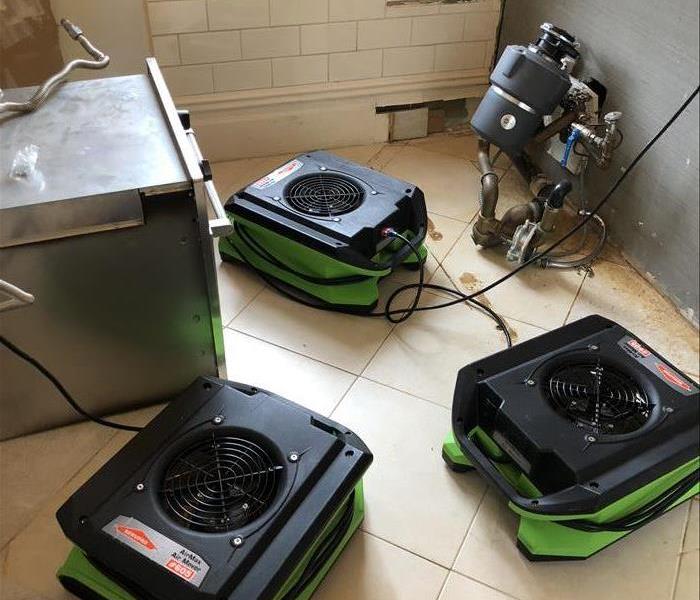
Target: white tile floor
x=429 y=534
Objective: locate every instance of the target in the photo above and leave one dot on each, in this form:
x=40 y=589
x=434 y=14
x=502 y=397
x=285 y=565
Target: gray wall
x=646 y=53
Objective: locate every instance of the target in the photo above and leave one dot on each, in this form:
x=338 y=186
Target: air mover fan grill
x=597 y=396
x=220 y=483
x=324 y=194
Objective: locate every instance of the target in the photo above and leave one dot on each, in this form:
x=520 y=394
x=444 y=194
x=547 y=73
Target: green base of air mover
x=361 y=293
x=83 y=579
x=546 y=537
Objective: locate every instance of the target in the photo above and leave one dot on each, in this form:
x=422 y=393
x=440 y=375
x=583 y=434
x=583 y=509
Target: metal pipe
x=489 y=182
x=18 y=297
x=101 y=60
x=555 y=127
x=558 y=263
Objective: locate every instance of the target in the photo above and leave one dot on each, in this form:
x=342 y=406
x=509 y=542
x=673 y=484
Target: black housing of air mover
x=335 y=206
x=580 y=460
x=307 y=465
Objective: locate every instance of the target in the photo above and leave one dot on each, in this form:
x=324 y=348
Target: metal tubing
x=489 y=182
x=18 y=297
x=101 y=60
x=558 y=263
x=555 y=127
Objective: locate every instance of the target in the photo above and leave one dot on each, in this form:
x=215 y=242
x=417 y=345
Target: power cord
x=644 y=515
x=393 y=315
x=538 y=257
x=61 y=388
x=388 y=312
x=401 y=314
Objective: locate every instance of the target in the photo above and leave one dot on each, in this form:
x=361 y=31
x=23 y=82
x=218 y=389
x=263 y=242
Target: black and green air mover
x=587 y=431
x=231 y=493
x=317 y=225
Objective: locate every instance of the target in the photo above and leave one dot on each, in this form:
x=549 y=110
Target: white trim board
x=266 y=122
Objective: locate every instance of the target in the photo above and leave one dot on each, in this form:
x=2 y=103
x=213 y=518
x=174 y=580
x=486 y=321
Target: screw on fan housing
x=140 y=487
x=237 y=542
x=218 y=419
x=293 y=457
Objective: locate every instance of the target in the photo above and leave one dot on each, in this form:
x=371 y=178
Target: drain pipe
x=485 y=230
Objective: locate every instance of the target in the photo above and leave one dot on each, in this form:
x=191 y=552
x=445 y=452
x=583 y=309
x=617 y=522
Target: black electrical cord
x=59 y=386
x=644 y=515
x=395 y=316
x=388 y=312
x=537 y=257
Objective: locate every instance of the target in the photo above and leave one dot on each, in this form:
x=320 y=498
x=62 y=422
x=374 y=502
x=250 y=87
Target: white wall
x=268 y=76
x=232 y=45
x=119 y=28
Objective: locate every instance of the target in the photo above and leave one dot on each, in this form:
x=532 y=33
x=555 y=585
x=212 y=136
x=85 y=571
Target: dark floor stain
x=434 y=234
x=513 y=334
x=472 y=283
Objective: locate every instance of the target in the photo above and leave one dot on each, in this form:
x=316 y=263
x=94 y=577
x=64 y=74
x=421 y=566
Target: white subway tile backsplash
x=242 y=75
x=408 y=61
x=383 y=33
x=166 y=50
x=177 y=16
x=366 y=64
x=296 y=12
x=480 y=26
x=238 y=14
x=437 y=29
x=299 y=70
x=329 y=37
x=469 y=55
x=189 y=80
x=210 y=47
x=270 y=42
x=352 y=10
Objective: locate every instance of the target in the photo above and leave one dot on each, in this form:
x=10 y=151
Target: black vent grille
x=598 y=397
x=324 y=194
x=220 y=483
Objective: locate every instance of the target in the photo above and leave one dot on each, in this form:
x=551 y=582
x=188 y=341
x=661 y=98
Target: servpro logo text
x=136 y=535
x=673 y=378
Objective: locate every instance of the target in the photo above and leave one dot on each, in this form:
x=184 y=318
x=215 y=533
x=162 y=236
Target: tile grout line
x=408 y=550
x=247 y=304
x=503 y=316
x=686 y=526
x=464 y=540
x=679 y=556
x=71 y=477
x=343 y=396
x=573 y=302
x=292 y=351
x=391 y=387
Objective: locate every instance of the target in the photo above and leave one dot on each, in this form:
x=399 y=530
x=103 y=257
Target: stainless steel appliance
x=106 y=251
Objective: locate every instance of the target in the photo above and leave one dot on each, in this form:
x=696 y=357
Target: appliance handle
x=574 y=500
x=220 y=226
x=18 y=297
